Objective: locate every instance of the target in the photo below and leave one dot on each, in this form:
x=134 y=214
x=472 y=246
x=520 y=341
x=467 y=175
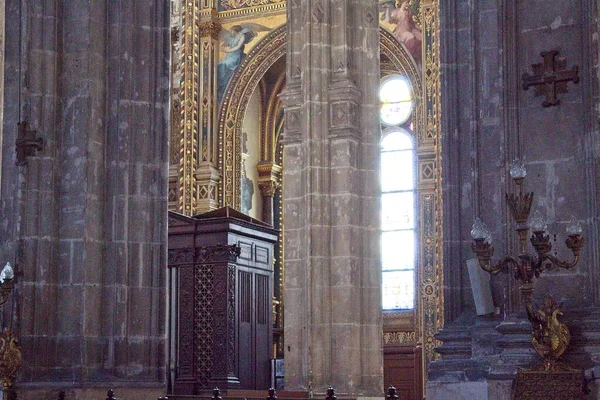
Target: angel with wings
x=400 y=12
x=233 y=41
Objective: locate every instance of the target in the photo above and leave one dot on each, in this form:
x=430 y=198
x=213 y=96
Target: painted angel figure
x=406 y=31
x=234 y=41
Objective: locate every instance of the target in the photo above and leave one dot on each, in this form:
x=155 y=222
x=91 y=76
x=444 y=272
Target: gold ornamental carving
x=235 y=4
x=268 y=188
x=10 y=357
x=431 y=311
x=189 y=121
x=235 y=102
x=550 y=337
x=210 y=29
x=391 y=339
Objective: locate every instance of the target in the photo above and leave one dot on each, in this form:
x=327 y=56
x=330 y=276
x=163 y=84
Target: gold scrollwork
x=234 y=4
x=210 y=29
x=399 y=339
x=10 y=357
x=189 y=108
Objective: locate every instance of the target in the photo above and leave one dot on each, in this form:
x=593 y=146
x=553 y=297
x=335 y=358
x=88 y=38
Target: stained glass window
x=398 y=236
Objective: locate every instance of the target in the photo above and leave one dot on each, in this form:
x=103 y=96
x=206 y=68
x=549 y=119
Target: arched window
x=398 y=237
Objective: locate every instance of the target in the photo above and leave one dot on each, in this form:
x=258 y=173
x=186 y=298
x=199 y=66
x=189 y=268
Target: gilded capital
x=268 y=188
x=210 y=29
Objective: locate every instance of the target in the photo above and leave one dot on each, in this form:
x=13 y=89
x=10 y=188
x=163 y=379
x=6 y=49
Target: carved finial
x=217 y=394
x=110 y=395
x=272 y=394
x=392 y=394
x=331 y=394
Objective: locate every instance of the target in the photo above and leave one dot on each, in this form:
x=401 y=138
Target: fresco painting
x=237 y=39
x=401 y=17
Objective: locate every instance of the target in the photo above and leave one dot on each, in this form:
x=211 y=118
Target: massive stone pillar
x=84 y=218
x=333 y=322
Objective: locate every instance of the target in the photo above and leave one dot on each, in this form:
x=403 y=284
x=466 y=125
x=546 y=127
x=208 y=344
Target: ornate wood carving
x=203 y=329
x=551 y=77
x=186 y=324
x=218 y=253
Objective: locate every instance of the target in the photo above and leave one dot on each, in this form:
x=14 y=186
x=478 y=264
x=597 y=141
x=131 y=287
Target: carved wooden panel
x=203 y=321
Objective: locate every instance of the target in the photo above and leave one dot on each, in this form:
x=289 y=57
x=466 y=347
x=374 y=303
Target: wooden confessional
x=220 y=274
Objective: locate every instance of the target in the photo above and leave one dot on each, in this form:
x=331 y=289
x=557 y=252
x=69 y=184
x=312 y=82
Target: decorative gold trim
x=210 y=29
x=392 y=339
x=190 y=123
x=10 y=358
x=432 y=279
x=237 y=4
x=264 y=10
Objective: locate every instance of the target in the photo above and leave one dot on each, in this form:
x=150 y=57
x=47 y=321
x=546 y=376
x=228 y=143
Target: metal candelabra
x=550 y=337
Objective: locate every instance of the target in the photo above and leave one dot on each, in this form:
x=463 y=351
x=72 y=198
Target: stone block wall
x=489 y=120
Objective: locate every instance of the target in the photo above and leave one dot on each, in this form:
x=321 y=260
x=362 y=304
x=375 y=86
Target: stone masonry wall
x=85 y=219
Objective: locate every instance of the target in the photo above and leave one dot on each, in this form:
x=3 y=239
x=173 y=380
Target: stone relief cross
x=551 y=77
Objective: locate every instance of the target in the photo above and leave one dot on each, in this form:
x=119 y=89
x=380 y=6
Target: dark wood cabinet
x=221 y=283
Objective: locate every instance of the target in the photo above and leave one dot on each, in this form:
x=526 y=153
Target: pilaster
x=198 y=175
x=207 y=174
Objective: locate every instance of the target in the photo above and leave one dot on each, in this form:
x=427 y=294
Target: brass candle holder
x=550 y=337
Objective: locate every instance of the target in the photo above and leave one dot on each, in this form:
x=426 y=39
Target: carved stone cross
x=27 y=143
x=551 y=77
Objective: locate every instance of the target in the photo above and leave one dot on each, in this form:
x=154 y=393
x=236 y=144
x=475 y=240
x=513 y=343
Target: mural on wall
x=401 y=17
x=233 y=43
x=237 y=40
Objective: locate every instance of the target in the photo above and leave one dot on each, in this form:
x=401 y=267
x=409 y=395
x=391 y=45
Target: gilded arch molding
x=235 y=101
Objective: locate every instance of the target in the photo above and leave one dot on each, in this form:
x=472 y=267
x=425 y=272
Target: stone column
x=86 y=216
x=333 y=322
